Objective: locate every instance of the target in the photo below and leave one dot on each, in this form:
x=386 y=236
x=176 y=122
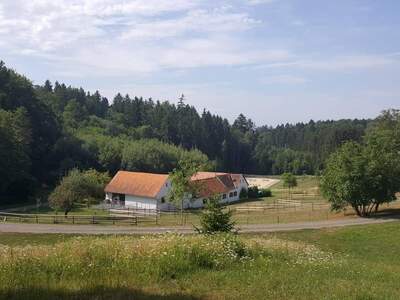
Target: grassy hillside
x=347 y=263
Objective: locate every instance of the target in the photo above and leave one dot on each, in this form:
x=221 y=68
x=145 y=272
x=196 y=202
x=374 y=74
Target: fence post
x=278 y=218
x=73 y=219
x=37 y=221
x=92 y=219
x=54 y=219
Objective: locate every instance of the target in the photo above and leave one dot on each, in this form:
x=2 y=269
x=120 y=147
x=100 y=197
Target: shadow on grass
x=387 y=213
x=97 y=293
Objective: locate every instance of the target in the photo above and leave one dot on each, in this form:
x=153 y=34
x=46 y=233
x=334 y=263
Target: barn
x=150 y=191
x=137 y=190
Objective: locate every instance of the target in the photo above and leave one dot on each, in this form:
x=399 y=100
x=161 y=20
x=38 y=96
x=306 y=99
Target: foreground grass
x=347 y=263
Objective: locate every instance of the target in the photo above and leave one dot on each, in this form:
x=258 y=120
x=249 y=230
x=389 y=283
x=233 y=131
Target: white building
x=150 y=191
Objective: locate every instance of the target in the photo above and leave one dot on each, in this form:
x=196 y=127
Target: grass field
x=346 y=263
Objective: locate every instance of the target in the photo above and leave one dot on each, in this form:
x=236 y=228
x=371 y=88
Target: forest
x=47 y=130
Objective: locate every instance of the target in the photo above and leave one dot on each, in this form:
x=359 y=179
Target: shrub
x=264 y=193
x=253 y=192
x=243 y=194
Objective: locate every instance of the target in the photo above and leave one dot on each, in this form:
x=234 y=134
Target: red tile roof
x=235 y=178
x=206 y=175
x=137 y=184
x=210 y=186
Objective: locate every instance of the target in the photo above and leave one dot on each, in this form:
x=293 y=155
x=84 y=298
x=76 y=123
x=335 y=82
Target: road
x=261 y=228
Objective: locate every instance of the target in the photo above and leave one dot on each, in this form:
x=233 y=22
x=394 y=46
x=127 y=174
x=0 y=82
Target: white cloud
x=194 y=21
x=283 y=79
x=116 y=36
x=257 y=2
x=337 y=64
x=47 y=24
x=348 y=62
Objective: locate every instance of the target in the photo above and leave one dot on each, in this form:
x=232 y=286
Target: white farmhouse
x=150 y=191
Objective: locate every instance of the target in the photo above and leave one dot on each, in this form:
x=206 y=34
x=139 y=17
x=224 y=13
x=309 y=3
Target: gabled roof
x=137 y=184
x=206 y=175
x=226 y=179
x=234 y=178
x=210 y=186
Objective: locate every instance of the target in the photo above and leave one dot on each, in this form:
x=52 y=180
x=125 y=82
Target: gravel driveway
x=262 y=228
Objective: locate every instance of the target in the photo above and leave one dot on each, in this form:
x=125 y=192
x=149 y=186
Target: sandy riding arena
x=261 y=182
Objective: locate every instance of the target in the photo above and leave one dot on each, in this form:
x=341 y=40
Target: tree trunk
x=357 y=209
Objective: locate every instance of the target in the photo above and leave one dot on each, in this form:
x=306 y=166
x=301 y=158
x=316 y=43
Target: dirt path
x=98 y=229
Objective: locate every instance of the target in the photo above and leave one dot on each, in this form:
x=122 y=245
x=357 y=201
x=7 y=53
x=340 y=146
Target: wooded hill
x=48 y=129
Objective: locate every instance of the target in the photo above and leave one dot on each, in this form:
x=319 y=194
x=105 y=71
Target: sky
x=276 y=61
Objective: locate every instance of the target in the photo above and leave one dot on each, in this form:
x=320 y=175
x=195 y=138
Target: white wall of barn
x=140 y=202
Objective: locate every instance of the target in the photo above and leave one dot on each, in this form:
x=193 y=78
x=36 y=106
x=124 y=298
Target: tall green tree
x=181 y=186
x=78 y=188
x=366 y=175
x=15 y=151
x=214 y=219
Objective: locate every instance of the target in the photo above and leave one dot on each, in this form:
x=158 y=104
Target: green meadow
x=348 y=263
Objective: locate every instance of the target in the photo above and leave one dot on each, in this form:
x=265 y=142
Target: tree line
x=47 y=130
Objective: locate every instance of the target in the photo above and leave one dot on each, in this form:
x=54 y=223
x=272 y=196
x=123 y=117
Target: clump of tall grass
x=83 y=263
x=89 y=260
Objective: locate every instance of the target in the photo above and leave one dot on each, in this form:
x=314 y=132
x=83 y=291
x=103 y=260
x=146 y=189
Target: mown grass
x=347 y=263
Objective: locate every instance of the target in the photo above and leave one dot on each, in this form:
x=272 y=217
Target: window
x=204 y=201
x=235 y=193
x=162 y=200
x=224 y=196
x=230 y=195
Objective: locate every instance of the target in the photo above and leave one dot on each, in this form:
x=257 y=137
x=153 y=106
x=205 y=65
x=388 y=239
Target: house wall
x=163 y=193
x=199 y=203
x=140 y=202
x=243 y=183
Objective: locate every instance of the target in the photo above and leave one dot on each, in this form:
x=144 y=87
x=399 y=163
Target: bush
x=243 y=194
x=264 y=193
x=253 y=192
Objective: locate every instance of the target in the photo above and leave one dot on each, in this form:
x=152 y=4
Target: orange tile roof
x=210 y=186
x=137 y=184
x=206 y=175
x=235 y=178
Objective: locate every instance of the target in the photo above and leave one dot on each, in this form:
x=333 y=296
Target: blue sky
x=276 y=61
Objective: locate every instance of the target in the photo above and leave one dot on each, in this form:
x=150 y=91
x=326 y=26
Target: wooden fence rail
x=72 y=219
